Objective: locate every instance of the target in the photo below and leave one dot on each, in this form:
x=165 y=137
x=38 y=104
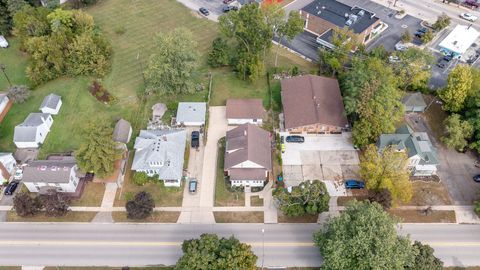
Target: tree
x=406 y=37
x=170 y=69
x=55 y=203
x=19 y=93
x=477 y=208
x=210 y=252
x=251 y=34
x=442 y=21
x=219 y=56
x=457 y=132
x=8 y=8
x=30 y=22
x=387 y=169
x=26 y=205
x=141 y=206
x=88 y=54
x=288 y=29
x=382 y=197
x=427 y=36
x=412 y=69
x=140 y=178
x=335 y=59
x=363 y=237
x=98 y=153
x=424 y=258
x=309 y=197
x=459 y=84
x=371 y=97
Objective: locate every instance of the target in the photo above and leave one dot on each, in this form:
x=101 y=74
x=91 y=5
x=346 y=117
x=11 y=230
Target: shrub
x=19 y=93
x=26 y=205
x=477 y=208
x=219 y=56
x=442 y=22
x=382 y=197
x=56 y=204
x=427 y=37
x=140 y=178
x=120 y=30
x=141 y=206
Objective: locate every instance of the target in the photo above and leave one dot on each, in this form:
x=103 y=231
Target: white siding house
x=3 y=102
x=61 y=175
x=33 y=131
x=51 y=104
x=7 y=166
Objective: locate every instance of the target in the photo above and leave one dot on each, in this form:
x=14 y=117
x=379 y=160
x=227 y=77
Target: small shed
x=158 y=110
x=51 y=104
x=122 y=132
x=191 y=113
x=414 y=102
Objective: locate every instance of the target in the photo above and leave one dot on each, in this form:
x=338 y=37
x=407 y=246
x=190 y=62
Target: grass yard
x=238 y=217
x=157 y=217
x=224 y=197
x=69 y=217
x=104 y=268
x=301 y=219
x=415 y=216
x=435 y=117
x=256 y=201
x=92 y=195
x=429 y=193
x=343 y=200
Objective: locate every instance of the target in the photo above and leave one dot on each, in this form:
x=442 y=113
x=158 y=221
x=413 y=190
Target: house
x=33 y=131
x=422 y=156
x=459 y=40
x=191 y=113
x=51 y=104
x=313 y=104
x=122 y=131
x=7 y=166
x=242 y=111
x=62 y=175
x=323 y=17
x=414 y=102
x=161 y=152
x=248 y=156
x=5 y=105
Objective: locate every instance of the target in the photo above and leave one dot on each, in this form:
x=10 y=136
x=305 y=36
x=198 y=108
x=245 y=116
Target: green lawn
x=41 y=217
x=92 y=195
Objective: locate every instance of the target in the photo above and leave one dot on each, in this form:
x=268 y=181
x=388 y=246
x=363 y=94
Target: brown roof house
x=313 y=104
x=248 y=158
x=243 y=111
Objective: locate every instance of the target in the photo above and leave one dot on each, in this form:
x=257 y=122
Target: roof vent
x=346 y=15
x=318 y=12
x=361 y=12
x=53 y=168
x=316 y=7
x=164 y=137
x=43 y=168
x=323 y=7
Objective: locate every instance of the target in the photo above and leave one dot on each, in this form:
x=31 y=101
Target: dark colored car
x=192 y=185
x=441 y=64
x=226 y=2
x=10 y=189
x=354 y=184
x=195 y=142
x=282 y=139
x=229 y=8
x=204 y=11
x=419 y=34
x=295 y=139
x=422 y=30
x=476 y=178
x=447 y=57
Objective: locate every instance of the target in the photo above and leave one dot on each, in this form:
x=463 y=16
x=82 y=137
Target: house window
x=41 y=134
x=254 y=120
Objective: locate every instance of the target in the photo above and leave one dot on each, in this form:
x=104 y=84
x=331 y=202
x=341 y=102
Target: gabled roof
x=248 y=143
x=415 y=143
x=3 y=96
x=48 y=171
x=35 y=119
x=245 y=108
x=27 y=131
x=414 y=100
x=164 y=147
x=191 y=112
x=121 y=132
x=338 y=14
x=51 y=101
x=311 y=100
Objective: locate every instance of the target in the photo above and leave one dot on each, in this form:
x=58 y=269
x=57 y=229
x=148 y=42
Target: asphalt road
x=156 y=244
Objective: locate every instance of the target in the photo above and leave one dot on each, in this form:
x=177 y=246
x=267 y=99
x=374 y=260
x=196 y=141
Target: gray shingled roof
x=191 y=112
x=166 y=147
x=415 y=143
x=248 y=142
x=27 y=131
x=51 y=101
x=48 y=171
x=414 y=100
x=122 y=131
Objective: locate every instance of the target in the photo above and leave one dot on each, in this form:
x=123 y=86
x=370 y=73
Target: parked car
x=3 y=42
x=441 y=64
x=195 y=142
x=10 y=189
x=204 y=11
x=400 y=47
x=18 y=174
x=354 y=184
x=476 y=178
x=468 y=17
x=229 y=8
x=192 y=185
x=226 y=2
x=295 y=139
x=422 y=30
x=448 y=57
x=393 y=59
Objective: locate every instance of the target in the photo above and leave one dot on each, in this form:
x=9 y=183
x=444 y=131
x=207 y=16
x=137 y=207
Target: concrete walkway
x=107 y=202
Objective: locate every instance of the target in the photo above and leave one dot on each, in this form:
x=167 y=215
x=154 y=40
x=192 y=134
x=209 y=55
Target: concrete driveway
x=324 y=157
x=214 y=6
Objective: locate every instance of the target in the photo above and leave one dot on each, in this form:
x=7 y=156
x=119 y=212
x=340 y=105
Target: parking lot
x=322 y=157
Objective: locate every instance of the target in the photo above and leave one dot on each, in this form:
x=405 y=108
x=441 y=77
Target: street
x=51 y=244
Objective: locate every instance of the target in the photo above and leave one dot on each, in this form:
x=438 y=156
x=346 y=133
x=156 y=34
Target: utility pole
x=3 y=67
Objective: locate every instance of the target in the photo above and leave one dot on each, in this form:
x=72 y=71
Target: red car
x=226 y=2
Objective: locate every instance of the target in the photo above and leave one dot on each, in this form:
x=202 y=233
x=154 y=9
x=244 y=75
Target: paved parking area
x=323 y=157
x=214 y=6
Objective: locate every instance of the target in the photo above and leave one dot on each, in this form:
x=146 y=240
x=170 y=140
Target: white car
x=400 y=47
x=3 y=42
x=469 y=17
x=393 y=59
x=18 y=174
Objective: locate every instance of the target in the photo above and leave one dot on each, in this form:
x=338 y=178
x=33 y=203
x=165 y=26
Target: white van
x=3 y=42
